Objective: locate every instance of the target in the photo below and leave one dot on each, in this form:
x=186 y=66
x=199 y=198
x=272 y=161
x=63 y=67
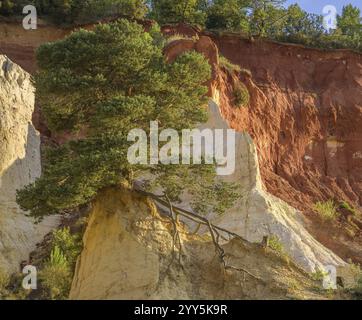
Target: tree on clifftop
x=265 y=14
x=170 y=11
x=228 y=15
x=104 y=83
x=350 y=21
x=75 y=11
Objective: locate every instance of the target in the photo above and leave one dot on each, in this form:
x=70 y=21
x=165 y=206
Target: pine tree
x=265 y=14
x=104 y=83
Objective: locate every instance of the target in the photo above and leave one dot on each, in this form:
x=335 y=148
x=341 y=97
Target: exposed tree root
x=176 y=235
x=215 y=231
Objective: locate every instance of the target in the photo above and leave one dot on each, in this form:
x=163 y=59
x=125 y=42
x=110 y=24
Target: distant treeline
x=76 y=11
x=263 y=18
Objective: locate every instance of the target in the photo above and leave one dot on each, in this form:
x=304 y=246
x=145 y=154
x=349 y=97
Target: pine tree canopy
x=101 y=84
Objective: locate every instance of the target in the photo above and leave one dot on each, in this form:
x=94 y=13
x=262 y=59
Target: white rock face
x=20 y=164
x=258 y=214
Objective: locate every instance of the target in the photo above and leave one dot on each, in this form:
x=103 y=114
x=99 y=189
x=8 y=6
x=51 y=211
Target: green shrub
x=241 y=95
x=56 y=276
x=6 y=7
x=357 y=290
x=15 y=288
x=327 y=210
x=70 y=245
x=93 y=10
x=58 y=259
x=319 y=275
x=11 y=286
x=345 y=205
x=225 y=63
x=75 y=11
x=240 y=92
x=276 y=245
x=170 y=11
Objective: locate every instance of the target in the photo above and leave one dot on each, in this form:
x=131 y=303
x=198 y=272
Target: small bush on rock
x=228 y=65
x=276 y=245
x=56 y=276
x=69 y=244
x=327 y=210
x=346 y=206
x=241 y=95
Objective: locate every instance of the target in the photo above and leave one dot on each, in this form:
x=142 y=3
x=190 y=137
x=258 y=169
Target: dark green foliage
x=56 y=269
x=307 y=29
x=105 y=83
x=93 y=10
x=170 y=11
x=229 y=66
x=228 y=15
x=350 y=22
x=75 y=11
x=346 y=206
x=265 y=18
x=13 y=7
x=241 y=95
x=57 y=272
x=11 y=287
x=295 y=25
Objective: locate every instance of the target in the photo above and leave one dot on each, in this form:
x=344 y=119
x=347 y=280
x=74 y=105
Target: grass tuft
x=327 y=210
x=225 y=63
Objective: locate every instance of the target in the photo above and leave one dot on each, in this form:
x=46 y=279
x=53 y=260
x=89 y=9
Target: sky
x=316 y=6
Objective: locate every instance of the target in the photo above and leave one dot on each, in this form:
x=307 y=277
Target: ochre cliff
x=257 y=214
x=304 y=116
x=128 y=254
